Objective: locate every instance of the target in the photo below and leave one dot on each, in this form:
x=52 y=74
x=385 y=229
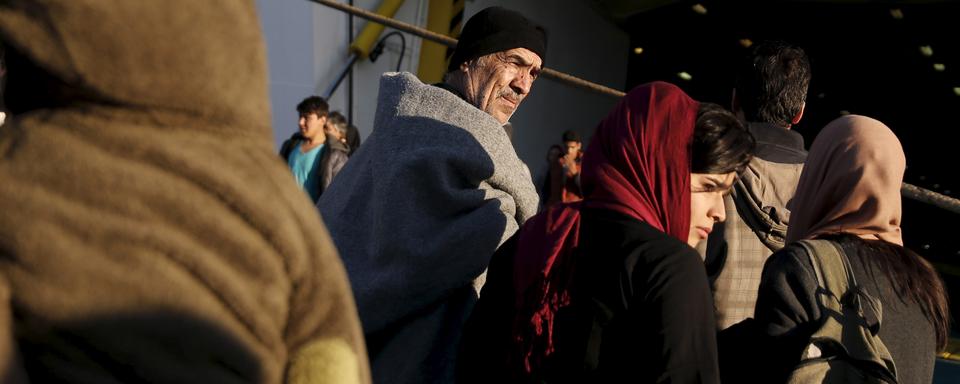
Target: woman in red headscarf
x=610 y=288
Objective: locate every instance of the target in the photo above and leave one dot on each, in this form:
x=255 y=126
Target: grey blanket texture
x=417 y=213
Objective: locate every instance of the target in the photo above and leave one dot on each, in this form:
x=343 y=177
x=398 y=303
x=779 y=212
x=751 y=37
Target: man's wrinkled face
x=498 y=82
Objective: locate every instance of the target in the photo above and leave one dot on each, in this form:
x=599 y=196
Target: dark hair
x=313 y=104
x=911 y=276
x=353 y=138
x=560 y=151
x=3 y=76
x=339 y=121
x=571 y=136
x=771 y=84
x=721 y=143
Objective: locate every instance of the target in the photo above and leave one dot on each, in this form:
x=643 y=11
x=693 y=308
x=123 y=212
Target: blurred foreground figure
x=149 y=233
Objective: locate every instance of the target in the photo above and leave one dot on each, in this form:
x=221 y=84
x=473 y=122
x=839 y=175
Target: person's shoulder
x=635 y=235
x=401 y=79
x=289 y=144
x=666 y=244
x=791 y=260
x=410 y=85
x=777 y=144
x=656 y=247
x=666 y=265
x=295 y=138
x=789 y=255
x=338 y=147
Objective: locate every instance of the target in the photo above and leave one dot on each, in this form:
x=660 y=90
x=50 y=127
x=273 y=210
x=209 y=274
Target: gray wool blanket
x=416 y=214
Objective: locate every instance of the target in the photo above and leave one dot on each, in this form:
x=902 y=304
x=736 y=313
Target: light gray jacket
x=417 y=213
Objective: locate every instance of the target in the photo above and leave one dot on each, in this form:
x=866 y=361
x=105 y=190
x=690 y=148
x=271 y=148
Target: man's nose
x=522 y=83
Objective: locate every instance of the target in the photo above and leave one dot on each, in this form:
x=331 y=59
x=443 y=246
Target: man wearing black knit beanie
x=433 y=192
x=499 y=55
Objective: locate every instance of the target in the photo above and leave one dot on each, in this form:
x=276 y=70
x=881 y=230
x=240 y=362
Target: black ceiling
x=864 y=61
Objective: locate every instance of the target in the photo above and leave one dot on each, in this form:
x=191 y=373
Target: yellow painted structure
x=444 y=17
x=364 y=42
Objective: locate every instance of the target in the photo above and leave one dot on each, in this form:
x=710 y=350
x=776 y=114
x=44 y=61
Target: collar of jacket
x=335 y=144
x=777 y=144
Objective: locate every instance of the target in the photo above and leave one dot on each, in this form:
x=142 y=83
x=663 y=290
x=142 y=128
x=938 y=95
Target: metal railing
x=908 y=190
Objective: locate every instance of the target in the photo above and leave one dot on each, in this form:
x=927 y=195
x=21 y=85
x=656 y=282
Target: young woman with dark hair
x=849 y=194
x=610 y=289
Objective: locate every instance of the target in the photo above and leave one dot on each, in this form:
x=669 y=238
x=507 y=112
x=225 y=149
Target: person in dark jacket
x=849 y=193
x=769 y=95
x=551 y=179
x=353 y=138
x=313 y=158
x=571 y=161
x=610 y=289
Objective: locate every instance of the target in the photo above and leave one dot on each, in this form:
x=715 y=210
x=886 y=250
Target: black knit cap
x=496 y=29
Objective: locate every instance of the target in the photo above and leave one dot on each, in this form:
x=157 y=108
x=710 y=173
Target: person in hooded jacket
x=149 y=232
x=769 y=94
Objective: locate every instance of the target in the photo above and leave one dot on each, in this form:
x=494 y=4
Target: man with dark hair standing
x=561 y=180
x=313 y=158
x=438 y=187
x=571 y=167
x=769 y=95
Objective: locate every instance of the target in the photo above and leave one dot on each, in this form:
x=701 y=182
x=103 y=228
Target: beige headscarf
x=148 y=231
x=850 y=183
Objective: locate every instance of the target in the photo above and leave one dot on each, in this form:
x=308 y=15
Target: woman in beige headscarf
x=148 y=232
x=849 y=194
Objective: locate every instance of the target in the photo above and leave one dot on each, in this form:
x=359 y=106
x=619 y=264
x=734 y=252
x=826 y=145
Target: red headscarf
x=638 y=164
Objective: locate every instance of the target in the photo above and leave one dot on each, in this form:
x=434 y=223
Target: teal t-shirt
x=305 y=169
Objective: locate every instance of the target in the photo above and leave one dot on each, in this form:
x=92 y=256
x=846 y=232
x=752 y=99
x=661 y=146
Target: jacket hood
x=764 y=190
x=213 y=48
x=336 y=144
x=145 y=212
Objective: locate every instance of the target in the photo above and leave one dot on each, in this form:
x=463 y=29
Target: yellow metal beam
x=444 y=17
x=371 y=32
